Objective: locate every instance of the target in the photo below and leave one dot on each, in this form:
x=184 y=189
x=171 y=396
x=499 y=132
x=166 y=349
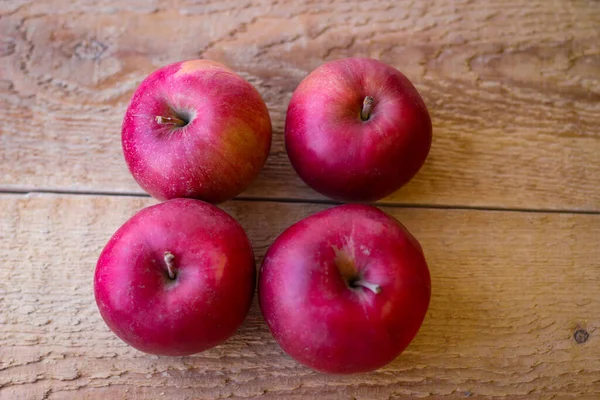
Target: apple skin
x=313 y=295
x=337 y=153
x=220 y=150
x=214 y=269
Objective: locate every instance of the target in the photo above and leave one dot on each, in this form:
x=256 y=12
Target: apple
x=196 y=129
x=344 y=290
x=357 y=130
x=176 y=279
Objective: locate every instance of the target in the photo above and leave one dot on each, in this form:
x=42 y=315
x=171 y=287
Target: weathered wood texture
x=509 y=291
x=513 y=86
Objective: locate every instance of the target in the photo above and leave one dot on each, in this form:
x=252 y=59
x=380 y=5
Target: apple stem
x=371 y=286
x=367 y=105
x=169 y=257
x=178 y=122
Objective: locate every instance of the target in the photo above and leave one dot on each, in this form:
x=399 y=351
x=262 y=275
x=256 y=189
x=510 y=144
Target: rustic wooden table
x=507 y=206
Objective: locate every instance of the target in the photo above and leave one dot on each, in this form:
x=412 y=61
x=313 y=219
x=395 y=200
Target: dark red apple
x=176 y=279
x=344 y=290
x=196 y=129
x=357 y=130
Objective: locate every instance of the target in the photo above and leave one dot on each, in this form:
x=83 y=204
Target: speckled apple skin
x=322 y=321
x=217 y=154
x=337 y=153
x=213 y=287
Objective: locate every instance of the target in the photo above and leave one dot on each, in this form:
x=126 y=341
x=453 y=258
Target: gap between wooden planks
x=510 y=289
x=513 y=87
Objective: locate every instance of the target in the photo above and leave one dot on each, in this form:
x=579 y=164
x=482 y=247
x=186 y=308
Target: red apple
x=196 y=129
x=357 y=130
x=176 y=279
x=344 y=290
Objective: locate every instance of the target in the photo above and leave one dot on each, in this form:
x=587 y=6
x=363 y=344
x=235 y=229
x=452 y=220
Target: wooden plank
x=513 y=87
x=509 y=291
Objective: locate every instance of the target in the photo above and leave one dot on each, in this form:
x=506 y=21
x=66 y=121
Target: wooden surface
x=509 y=291
x=513 y=87
x=507 y=206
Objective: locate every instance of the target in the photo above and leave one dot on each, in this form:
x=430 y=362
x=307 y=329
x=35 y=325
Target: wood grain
x=509 y=292
x=513 y=87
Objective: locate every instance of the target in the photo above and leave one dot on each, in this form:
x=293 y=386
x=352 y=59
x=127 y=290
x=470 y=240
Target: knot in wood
x=90 y=50
x=581 y=336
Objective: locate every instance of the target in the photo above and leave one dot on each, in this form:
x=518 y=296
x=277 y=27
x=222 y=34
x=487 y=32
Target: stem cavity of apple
x=367 y=106
x=174 y=121
x=371 y=286
x=169 y=257
x=350 y=274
